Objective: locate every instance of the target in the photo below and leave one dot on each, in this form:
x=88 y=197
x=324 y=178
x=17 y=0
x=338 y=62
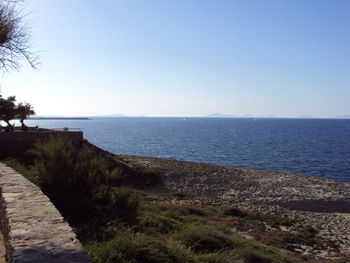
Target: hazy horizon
x=215 y=115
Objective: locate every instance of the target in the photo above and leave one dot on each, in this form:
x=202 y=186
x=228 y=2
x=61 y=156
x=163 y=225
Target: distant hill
x=113 y=115
x=118 y=115
x=219 y=115
x=305 y=117
x=56 y=118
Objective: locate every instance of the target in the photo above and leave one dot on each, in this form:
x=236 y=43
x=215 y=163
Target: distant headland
x=58 y=118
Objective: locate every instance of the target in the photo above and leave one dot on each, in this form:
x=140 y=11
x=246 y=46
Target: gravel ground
x=324 y=204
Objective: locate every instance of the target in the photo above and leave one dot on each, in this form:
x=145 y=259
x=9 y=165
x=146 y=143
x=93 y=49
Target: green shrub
x=206 y=237
x=59 y=167
x=128 y=247
x=214 y=258
x=117 y=197
x=184 y=213
x=76 y=179
x=254 y=252
x=152 y=222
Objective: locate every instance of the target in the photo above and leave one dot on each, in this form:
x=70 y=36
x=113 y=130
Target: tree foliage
x=8 y=110
x=23 y=111
x=14 y=37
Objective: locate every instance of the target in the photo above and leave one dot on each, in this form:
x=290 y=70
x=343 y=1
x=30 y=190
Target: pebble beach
x=321 y=203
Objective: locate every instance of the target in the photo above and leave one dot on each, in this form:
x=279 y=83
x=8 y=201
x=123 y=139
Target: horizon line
x=189 y=116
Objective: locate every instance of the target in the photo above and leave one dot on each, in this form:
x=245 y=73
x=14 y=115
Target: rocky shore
x=321 y=203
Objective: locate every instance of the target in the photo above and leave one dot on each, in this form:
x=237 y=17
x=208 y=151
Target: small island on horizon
x=58 y=118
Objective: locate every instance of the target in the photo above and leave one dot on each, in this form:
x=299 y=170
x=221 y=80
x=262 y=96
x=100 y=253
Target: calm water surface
x=318 y=147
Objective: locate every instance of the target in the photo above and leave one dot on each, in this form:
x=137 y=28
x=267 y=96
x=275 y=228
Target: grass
x=130 y=247
x=116 y=221
x=204 y=237
x=165 y=233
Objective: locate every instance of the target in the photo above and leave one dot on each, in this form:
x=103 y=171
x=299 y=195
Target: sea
x=316 y=147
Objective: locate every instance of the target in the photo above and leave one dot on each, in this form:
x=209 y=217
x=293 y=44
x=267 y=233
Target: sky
x=186 y=58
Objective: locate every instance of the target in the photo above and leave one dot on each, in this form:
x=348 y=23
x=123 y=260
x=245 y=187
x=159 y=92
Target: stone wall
x=18 y=142
x=33 y=229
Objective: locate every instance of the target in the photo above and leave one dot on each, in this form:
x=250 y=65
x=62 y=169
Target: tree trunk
x=9 y=125
x=23 y=126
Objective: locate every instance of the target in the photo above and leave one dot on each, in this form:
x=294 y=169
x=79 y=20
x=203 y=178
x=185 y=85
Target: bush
x=153 y=222
x=76 y=179
x=128 y=247
x=59 y=167
x=255 y=252
x=120 y=197
x=206 y=237
x=214 y=258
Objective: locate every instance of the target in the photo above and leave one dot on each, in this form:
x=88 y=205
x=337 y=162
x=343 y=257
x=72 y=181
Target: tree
x=23 y=111
x=14 y=37
x=8 y=110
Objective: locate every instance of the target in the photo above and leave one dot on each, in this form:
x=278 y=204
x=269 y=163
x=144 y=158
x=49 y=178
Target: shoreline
x=263 y=185
x=162 y=159
x=322 y=203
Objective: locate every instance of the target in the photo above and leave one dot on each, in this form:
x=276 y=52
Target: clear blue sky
x=187 y=58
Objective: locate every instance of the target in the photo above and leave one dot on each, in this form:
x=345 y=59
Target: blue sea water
x=317 y=147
